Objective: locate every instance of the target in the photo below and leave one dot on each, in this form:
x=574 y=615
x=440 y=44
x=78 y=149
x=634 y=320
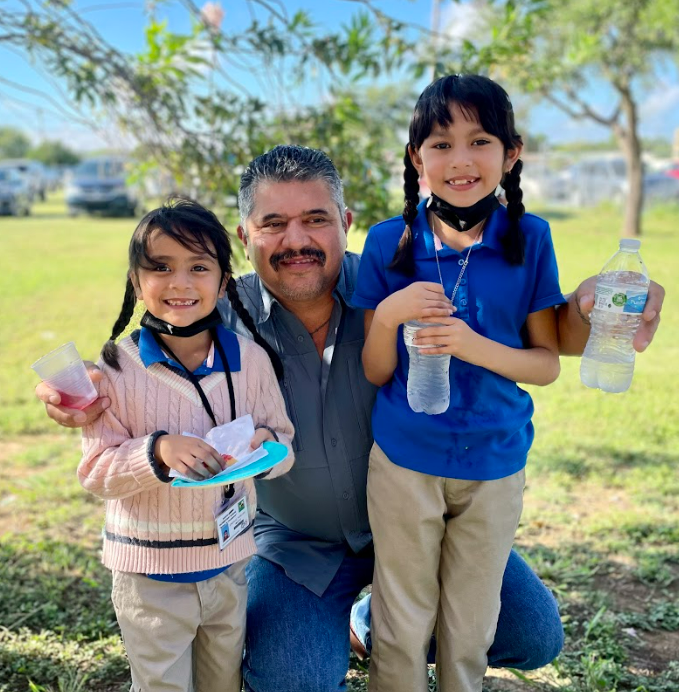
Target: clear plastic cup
x=63 y=370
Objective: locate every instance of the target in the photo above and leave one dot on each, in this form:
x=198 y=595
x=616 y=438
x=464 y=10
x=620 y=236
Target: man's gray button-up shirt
x=309 y=518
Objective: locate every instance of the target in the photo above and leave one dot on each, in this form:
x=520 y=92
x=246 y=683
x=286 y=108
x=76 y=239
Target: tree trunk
x=628 y=138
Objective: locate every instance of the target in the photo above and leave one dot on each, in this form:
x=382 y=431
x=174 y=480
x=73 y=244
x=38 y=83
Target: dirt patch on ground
x=498 y=680
x=15 y=473
x=573 y=512
x=650 y=653
x=11 y=449
x=655 y=652
x=627 y=593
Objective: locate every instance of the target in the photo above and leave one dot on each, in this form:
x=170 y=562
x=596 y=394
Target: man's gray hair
x=287 y=163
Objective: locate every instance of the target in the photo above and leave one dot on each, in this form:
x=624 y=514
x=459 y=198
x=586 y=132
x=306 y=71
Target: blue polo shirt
x=486 y=432
x=150 y=353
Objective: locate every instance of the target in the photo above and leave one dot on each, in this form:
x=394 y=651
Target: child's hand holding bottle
x=452 y=336
x=422 y=300
x=189 y=456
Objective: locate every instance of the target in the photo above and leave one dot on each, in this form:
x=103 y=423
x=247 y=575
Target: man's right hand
x=650 y=317
x=71 y=417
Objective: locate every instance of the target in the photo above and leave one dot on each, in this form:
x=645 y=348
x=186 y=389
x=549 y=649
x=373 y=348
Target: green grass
x=600 y=526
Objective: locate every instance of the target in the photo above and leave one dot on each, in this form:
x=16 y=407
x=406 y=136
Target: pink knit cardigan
x=152 y=527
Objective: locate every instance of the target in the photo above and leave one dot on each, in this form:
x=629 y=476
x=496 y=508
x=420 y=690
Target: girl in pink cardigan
x=179 y=597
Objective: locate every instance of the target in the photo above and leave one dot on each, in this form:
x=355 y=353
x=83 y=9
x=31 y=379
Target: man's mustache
x=275 y=260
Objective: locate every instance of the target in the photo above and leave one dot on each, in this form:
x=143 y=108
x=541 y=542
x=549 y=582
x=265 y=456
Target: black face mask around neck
x=463 y=218
x=159 y=326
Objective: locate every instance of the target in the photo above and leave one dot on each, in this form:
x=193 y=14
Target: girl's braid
x=246 y=319
x=513 y=241
x=110 y=351
x=403 y=260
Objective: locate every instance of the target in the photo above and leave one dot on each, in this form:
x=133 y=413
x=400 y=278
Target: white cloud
x=660 y=102
x=466 y=20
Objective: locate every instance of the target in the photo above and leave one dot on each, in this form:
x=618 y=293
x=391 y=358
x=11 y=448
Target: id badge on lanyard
x=231 y=518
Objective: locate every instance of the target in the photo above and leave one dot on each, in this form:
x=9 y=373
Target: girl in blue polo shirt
x=445 y=491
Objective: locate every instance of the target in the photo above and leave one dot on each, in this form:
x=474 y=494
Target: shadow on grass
x=47 y=665
x=58 y=624
x=556 y=214
x=52 y=212
x=49 y=213
x=56 y=586
x=580 y=461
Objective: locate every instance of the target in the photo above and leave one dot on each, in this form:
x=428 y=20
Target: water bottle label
x=620 y=299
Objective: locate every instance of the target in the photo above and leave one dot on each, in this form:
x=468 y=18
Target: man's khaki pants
x=441 y=547
x=183 y=637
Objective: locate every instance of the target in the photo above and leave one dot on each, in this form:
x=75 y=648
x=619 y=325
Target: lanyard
x=194 y=380
x=464 y=263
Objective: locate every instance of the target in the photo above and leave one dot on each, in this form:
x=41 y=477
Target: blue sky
x=122 y=24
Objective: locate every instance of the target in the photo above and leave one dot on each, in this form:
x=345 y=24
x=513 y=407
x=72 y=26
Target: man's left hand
x=261 y=435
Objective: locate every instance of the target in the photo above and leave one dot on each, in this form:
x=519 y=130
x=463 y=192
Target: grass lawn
x=601 y=518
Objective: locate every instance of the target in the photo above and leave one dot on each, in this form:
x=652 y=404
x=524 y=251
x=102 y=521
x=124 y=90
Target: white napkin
x=231 y=438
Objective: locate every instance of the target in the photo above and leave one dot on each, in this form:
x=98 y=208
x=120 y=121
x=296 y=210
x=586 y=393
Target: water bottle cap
x=630 y=244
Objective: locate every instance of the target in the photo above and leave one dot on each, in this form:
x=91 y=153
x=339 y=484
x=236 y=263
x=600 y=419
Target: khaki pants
x=441 y=547
x=183 y=637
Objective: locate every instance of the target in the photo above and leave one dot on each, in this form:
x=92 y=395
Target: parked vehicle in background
x=33 y=173
x=661 y=187
x=673 y=171
x=15 y=195
x=100 y=185
x=539 y=180
x=592 y=181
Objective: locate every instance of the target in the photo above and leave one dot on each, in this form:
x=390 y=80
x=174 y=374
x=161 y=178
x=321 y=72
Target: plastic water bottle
x=621 y=291
x=428 y=382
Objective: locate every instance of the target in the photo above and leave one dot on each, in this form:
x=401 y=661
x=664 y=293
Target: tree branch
x=590 y=113
x=281 y=15
x=427 y=32
x=584 y=112
x=112 y=6
x=48 y=98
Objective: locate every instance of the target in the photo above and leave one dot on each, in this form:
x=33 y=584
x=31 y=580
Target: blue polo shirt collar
x=342 y=290
x=424 y=236
x=150 y=352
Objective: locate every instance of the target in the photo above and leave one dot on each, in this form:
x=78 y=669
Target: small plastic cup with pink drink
x=63 y=370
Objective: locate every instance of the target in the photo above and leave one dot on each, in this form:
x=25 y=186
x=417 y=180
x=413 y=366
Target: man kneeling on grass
x=314 y=544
